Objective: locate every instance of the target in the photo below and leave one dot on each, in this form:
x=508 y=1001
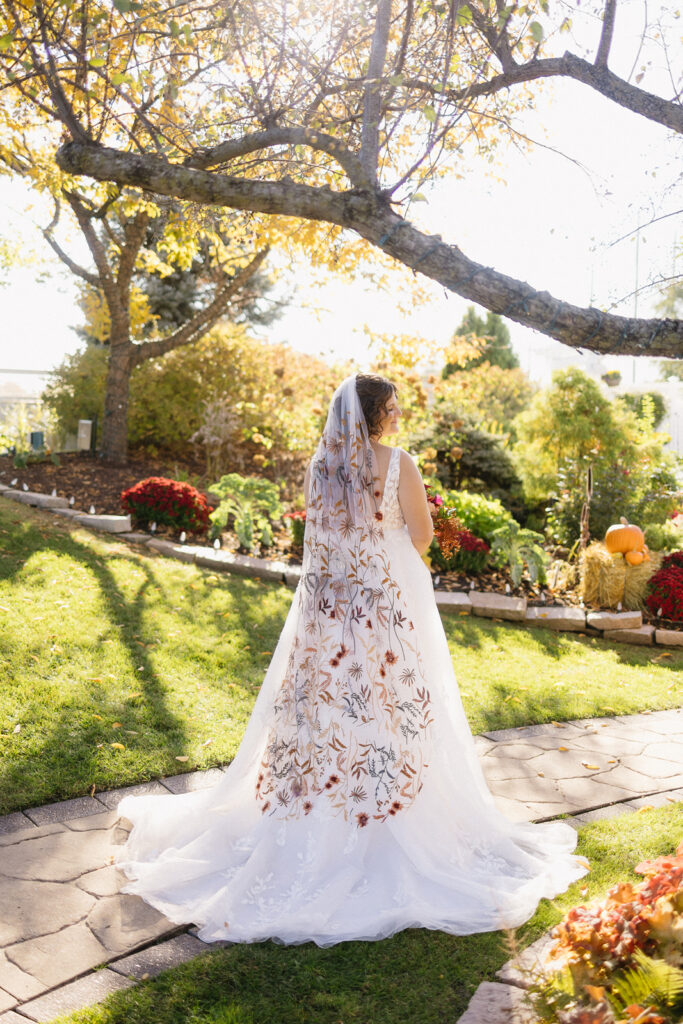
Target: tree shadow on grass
x=65 y=763
x=59 y=766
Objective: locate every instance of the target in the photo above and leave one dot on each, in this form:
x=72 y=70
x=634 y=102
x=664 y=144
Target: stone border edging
x=619 y=627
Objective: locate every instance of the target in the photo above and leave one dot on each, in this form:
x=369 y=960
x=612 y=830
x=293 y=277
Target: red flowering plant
x=666 y=588
x=620 y=959
x=167 y=503
x=454 y=547
x=297 y=526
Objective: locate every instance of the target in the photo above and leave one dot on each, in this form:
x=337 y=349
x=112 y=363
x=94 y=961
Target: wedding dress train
x=356 y=805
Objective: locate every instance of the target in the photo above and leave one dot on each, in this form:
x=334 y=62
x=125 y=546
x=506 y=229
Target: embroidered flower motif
x=390 y=657
x=362 y=819
x=379 y=516
x=308 y=806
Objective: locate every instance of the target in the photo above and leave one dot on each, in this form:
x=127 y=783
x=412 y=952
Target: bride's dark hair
x=373 y=394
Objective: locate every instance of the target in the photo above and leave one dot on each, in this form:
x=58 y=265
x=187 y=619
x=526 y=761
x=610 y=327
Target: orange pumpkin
x=635 y=557
x=623 y=537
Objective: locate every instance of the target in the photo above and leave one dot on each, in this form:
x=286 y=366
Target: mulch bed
x=91 y=483
x=88 y=481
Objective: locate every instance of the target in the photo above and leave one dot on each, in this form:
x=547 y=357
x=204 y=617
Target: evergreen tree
x=496 y=348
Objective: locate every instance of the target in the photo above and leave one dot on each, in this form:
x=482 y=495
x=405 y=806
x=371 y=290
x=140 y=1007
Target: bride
x=356 y=805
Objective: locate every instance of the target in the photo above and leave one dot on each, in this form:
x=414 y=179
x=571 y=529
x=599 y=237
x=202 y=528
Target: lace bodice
x=392 y=516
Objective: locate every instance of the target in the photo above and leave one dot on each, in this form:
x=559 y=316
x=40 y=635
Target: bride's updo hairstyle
x=373 y=394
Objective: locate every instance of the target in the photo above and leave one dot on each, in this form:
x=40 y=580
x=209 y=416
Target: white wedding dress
x=359 y=809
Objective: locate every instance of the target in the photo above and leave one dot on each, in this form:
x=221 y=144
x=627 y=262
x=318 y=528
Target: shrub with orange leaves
x=599 y=944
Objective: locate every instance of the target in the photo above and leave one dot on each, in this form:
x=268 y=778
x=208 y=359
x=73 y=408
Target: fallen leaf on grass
x=116 y=725
x=34 y=658
x=17 y=729
x=117 y=746
x=98 y=717
x=131 y=696
x=647 y=807
x=206 y=743
x=95 y=679
x=3 y=609
x=182 y=757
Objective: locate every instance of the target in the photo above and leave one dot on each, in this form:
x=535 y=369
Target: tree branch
x=233 y=148
x=372 y=93
x=606 y=34
x=666 y=112
x=206 y=318
x=103 y=279
x=85 y=275
x=373 y=219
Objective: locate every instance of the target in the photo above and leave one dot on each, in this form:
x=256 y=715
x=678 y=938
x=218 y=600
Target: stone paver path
x=63 y=914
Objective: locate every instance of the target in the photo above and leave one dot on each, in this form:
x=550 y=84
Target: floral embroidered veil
x=350 y=718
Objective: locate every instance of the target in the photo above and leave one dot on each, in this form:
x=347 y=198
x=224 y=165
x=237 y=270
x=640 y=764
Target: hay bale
x=602 y=576
x=637 y=579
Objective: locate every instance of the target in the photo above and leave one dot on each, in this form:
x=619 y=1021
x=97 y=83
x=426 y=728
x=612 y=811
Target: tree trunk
x=114 y=446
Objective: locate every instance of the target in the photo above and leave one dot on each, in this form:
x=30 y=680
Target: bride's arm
x=414 y=505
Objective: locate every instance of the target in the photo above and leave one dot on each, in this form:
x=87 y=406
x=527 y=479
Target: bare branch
x=233 y=148
x=75 y=268
x=372 y=218
x=666 y=112
x=103 y=279
x=606 y=34
x=206 y=318
x=372 y=96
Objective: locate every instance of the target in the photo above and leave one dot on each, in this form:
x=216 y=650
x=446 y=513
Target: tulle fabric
x=446 y=860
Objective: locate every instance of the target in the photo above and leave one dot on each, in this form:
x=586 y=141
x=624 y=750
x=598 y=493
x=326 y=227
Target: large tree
x=335 y=113
x=135 y=247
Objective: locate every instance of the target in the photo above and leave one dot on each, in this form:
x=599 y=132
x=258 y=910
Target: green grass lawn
x=115 y=662
x=417 y=976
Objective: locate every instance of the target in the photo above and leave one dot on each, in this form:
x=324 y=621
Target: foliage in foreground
x=620 y=955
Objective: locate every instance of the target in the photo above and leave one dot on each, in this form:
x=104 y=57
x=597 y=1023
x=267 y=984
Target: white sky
x=551 y=223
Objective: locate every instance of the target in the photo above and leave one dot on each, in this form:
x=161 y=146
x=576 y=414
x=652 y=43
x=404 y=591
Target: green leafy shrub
x=252 y=502
x=572 y=425
x=273 y=398
x=167 y=503
x=663 y=536
x=481 y=515
x=515 y=546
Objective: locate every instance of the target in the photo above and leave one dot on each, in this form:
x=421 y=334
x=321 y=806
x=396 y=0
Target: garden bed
x=91 y=483
x=83 y=477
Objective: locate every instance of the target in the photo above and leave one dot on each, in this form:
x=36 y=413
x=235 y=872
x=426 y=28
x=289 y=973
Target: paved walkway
x=63 y=914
